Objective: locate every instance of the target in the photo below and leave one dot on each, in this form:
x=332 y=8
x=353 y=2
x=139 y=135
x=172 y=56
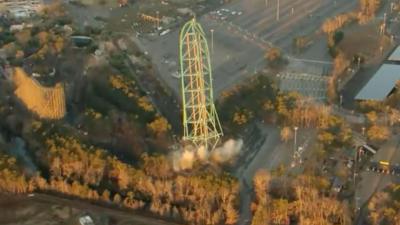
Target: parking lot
x=239 y=34
x=269 y=23
x=384 y=168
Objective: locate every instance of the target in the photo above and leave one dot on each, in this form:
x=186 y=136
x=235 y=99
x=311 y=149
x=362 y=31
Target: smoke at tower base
x=185 y=158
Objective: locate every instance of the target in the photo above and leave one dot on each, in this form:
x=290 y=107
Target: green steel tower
x=200 y=120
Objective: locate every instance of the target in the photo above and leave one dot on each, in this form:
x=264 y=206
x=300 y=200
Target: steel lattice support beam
x=200 y=120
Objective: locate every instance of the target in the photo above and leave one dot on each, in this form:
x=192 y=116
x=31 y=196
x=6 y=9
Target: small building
x=20 y=13
x=18 y=4
x=17 y=27
x=20 y=9
x=337 y=185
x=81 y=41
x=86 y=220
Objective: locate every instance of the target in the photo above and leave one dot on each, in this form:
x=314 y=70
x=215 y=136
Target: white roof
x=395 y=56
x=86 y=220
x=381 y=84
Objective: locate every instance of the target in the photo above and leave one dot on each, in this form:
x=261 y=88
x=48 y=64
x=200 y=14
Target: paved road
x=266 y=157
x=270 y=155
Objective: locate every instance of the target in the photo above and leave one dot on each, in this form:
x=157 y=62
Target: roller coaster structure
x=201 y=125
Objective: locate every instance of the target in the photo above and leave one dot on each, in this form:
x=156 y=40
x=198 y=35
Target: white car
x=165 y=32
x=176 y=74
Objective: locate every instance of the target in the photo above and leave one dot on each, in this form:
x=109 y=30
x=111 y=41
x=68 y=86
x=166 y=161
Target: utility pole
x=266 y=3
x=295 y=139
x=277 y=11
x=355 y=180
x=294 y=156
x=384 y=18
x=212 y=41
x=386 y=115
x=384 y=23
x=341 y=101
x=158 y=20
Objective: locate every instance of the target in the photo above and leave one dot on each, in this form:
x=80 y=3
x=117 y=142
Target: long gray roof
x=381 y=84
x=395 y=56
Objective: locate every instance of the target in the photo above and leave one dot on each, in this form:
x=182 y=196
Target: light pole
x=212 y=41
x=386 y=114
x=356 y=155
x=266 y=3
x=158 y=20
x=384 y=24
x=277 y=11
x=295 y=139
x=384 y=19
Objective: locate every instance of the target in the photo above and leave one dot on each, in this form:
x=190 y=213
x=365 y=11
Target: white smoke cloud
x=227 y=151
x=202 y=153
x=184 y=159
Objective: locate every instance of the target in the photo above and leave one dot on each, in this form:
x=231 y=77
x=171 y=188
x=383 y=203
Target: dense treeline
x=384 y=207
x=242 y=103
x=11 y=177
x=90 y=173
x=260 y=98
x=336 y=133
x=367 y=10
x=300 y=200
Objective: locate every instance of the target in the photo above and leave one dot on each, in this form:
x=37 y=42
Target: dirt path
x=46 y=209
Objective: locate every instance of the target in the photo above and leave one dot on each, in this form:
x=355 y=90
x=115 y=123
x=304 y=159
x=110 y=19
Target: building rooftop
x=20 y=6
x=381 y=84
x=86 y=220
x=395 y=56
